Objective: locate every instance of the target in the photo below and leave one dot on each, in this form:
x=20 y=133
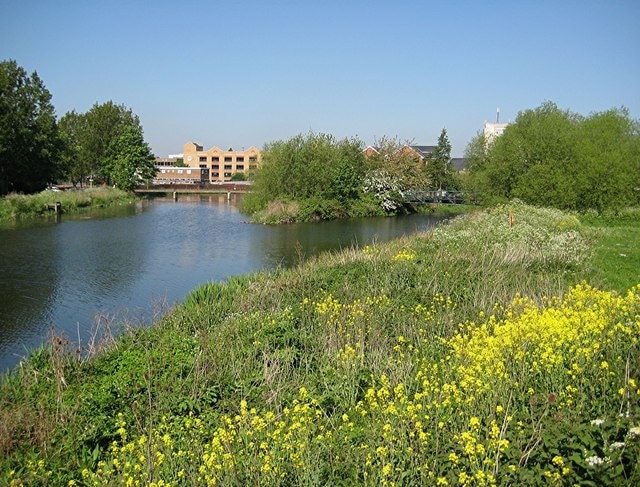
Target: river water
x=128 y=263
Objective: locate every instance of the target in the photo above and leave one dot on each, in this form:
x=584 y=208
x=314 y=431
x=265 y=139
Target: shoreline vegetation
x=18 y=207
x=499 y=349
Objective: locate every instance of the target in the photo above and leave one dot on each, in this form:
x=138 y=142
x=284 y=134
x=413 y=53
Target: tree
x=90 y=136
x=476 y=155
x=608 y=148
x=403 y=165
x=439 y=169
x=312 y=167
x=129 y=159
x=553 y=157
x=29 y=138
x=75 y=164
x=104 y=124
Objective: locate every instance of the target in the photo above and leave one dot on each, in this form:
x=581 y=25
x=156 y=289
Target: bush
x=315 y=167
x=317 y=209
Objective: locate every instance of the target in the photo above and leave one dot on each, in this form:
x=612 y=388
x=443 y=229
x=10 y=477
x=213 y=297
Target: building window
x=253 y=159
x=215 y=174
x=215 y=159
x=203 y=158
x=252 y=166
x=215 y=166
x=240 y=159
x=203 y=166
x=227 y=158
x=227 y=166
x=227 y=175
x=240 y=167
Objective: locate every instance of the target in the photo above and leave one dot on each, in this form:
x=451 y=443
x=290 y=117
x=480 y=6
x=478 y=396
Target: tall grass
x=18 y=206
x=472 y=355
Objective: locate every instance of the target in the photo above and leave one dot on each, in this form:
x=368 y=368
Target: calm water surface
x=130 y=262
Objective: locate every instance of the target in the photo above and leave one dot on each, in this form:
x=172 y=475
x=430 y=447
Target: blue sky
x=243 y=73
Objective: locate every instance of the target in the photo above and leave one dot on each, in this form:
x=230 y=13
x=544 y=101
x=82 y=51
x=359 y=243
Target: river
x=131 y=263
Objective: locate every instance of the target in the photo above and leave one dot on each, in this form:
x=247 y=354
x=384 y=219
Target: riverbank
x=462 y=356
x=317 y=210
x=15 y=207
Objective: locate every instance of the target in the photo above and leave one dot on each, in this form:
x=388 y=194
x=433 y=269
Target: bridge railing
x=195 y=187
x=439 y=196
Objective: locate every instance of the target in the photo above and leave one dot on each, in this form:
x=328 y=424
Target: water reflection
x=288 y=243
x=123 y=261
x=28 y=288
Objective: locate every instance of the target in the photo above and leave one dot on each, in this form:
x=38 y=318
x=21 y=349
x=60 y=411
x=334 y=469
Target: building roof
x=459 y=163
x=423 y=150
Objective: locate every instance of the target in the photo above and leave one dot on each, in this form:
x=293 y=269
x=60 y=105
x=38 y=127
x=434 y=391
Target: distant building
x=221 y=164
x=422 y=151
x=181 y=175
x=370 y=151
x=491 y=131
x=459 y=164
x=166 y=161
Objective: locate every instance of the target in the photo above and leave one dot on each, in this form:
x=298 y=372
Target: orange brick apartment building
x=221 y=165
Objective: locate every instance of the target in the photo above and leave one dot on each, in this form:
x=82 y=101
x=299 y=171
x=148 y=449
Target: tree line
x=557 y=158
x=547 y=157
x=104 y=144
x=317 y=177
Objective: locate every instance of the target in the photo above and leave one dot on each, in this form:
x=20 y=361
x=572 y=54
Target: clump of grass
x=277 y=212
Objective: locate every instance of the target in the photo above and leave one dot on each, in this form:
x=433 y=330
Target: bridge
x=430 y=197
x=202 y=188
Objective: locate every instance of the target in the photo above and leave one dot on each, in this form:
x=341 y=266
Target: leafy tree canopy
x=89 y=137
x=129 y=159
x=403 y=166
x=553 y=157
x=29 y=138
x=305 y=167
x=75 y=164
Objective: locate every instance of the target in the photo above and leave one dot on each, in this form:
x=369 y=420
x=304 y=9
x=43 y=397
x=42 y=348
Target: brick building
x=221 y=164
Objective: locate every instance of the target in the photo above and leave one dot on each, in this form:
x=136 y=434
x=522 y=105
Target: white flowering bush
x=385 y=188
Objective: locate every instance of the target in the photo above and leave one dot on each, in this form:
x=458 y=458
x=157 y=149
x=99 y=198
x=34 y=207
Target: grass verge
x=616 y=260
x=472 y=355
x=18 y=206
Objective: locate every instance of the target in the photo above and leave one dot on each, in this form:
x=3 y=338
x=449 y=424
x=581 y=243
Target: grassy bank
x=18 y=206
x=616 y=259
x=316 y=210
x=473 y=355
